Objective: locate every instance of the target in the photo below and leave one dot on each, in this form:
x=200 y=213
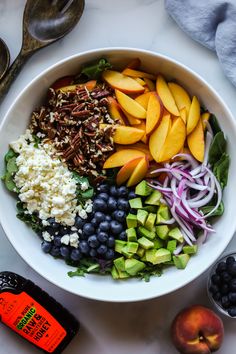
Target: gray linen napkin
x=213 y=24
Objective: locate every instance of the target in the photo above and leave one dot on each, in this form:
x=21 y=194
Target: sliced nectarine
x=119 y=158
x=89 y=85
x=140 y=81
x=196 y=142
x=193 y=115
x=132 y=120
x=137 y=73
x=166 y=96
x=122 y=82
x=205 y=118
x=150 y=84
x=134 y=64
x=130 y=105
x=143 y=99
x=137 y=146
x=115 y=110
x=158 y=137
x=126 y=171
x=127 y=135
x=154 y=112
x=139 y=172
x=142 y=126
x=180 y=95
x=174 y=140
x=183 y=114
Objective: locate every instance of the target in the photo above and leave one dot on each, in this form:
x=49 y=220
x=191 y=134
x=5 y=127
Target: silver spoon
x=4 y=58
x=44 y=22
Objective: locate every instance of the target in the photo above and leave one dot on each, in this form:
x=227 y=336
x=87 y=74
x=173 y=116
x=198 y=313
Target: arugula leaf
x=214 y=124
x=152 y=270
x=37 y=140
x=31 y=220
x=217 y=148
x=83 y=195
x=221 y=169
x=85 y=266
x=11 y=169
x=93 y=71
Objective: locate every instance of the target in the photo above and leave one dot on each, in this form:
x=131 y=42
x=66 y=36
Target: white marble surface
x=134 y=328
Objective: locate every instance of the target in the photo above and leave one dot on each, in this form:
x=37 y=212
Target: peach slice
x=196 y=142
x=143 y=99
x=158 y=137
x=194 y=115
x=137 y=73
x=180 y=95
x=205 y=118
x=130 y=105
x=140 y=81
x=121 y=157
x=134 y=64
x=150 y=84
x=89 y=85
x=142 y=126
x=124 y=134
x=115 y=110
x=137 y=146
x=154 y=112
x=174 y=140
x=183 y=114
x=132 y=120
x=126 y=171
x=62 y=82
x=139 y=172
x=166 y=96
x=122 y=82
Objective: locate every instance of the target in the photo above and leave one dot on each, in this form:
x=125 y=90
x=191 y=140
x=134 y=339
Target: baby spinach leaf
x=221 y=169
x=11 y=165
x=217 y=148
x=93 y=71
x=214 y=124
x=218 y=212
x=11 y=153
x=31 y=220
x=9 y=182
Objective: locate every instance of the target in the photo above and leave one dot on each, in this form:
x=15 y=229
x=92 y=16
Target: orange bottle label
x=31 y=320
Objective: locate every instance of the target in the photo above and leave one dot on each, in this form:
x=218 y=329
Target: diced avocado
x=145 y=243
x=154 y=198
x=150 y=222
x=163 y=214
x=133 y=266
x=131 y=220
x=126 y=253
x=162 y=231
x=143 y=189
x=142 y=216
x=142 y=231
x=123 y=274
x=131 y=247
x=158 y=243
x=161 y=255
x=176 y=234
x=114 y=273
x=181 y=260
x=140 y=252
x=190 y=249
x=171 y=245
x=119 y=245
x=136 y=203
x=150 y=208
x=119 y=263
x=131 y=234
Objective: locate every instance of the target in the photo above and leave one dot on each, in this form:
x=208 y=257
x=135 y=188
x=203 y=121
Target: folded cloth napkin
x=213 y=24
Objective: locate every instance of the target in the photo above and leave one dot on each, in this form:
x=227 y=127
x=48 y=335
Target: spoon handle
x=11 y=74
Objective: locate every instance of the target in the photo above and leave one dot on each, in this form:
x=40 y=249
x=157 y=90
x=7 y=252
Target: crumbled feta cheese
x=45 y=223
x=65 y=239
x=74 y=240
x=47 y=237
x=83 y=214
x=84 y=186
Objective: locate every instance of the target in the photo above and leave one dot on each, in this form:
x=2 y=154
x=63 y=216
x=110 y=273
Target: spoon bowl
x=44 y=22
x=4 y=58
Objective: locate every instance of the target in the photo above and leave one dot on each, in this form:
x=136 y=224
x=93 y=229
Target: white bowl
x=27 y=244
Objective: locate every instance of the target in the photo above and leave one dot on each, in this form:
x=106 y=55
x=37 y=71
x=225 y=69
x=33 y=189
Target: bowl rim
x=105 y=51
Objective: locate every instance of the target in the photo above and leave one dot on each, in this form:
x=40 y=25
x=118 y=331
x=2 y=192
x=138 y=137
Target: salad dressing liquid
x=33 y=314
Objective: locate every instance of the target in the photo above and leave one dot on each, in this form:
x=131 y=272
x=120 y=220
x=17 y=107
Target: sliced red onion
x=188 y=158
x=178 y=249
x=208 y=140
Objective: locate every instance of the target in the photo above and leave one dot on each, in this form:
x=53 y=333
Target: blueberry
x=103 y=196
x=232 y=284
x=230 y=260
x=232 y=269
x=79 y=222
x=104 y=226
x=225 y=301
x=102 y=249
x=99 y=205
x=99 y=216
x=225 y=277
x=217 y=296
x=132 y=195
x=64 y=250
x=123 y=204
x=93 y=253
x=111 y=242
x=84 y=247
x=63 y=231
x=215 y=279
x=55 y=251
x=75 y=254
x=133 y=211
x=116 y=227
x=110 y=254
x=224 y=289
x=221 y=267
x=232 y=311
x=214 y=288
x=51 y=230
x=123 y=191
x=111 y=204
x=103 y=188
x=114 y=191
x=88 y=229
x=232 y=297
x=93 y=241
x=46 y=246
x=119 y=215
x=108 y=218
x=55 y=225
x=122 y=236
x=94 y=221
x=102 y=237
x=57 y=241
